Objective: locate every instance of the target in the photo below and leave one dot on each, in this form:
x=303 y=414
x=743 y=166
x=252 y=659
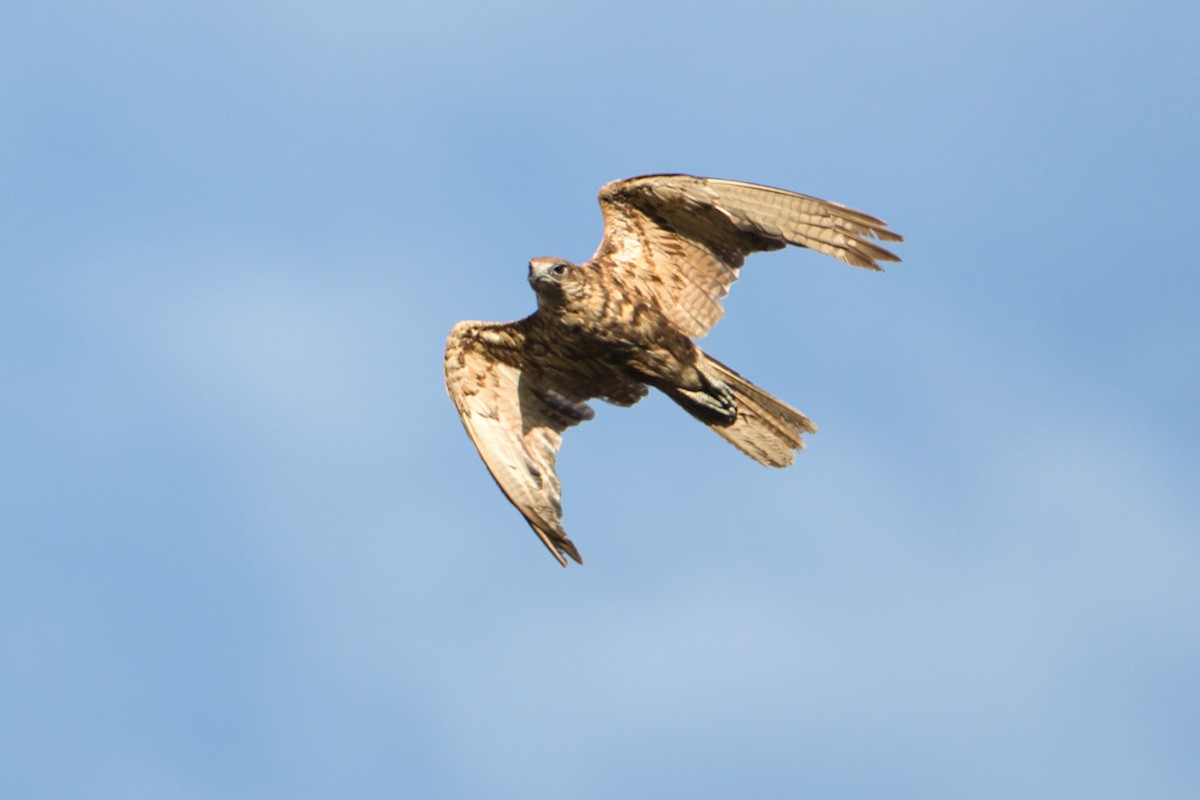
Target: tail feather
x=766 y=429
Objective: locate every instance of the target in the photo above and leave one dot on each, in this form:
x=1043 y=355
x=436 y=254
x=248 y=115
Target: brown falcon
x=625 y=320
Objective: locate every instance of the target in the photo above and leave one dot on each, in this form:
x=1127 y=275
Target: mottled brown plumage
x=625 y=320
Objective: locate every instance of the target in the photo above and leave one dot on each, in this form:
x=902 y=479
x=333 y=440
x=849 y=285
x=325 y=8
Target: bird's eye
x=559 y=269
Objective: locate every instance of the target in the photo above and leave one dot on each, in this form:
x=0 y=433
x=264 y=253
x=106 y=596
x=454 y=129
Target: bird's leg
x=713 y=402
x=563 y=410
x=676 y=367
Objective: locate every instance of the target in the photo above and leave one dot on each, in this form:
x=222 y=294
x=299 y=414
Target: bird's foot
x=563 y=410
x=715 y=404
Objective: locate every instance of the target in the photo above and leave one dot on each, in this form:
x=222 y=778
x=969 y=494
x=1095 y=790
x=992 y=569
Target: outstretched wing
x=515 y=419
x=683 y=239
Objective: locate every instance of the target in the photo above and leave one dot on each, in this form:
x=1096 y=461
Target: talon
x=567 y=412
x=716 y=405
x=719 y=391
x=725 y=396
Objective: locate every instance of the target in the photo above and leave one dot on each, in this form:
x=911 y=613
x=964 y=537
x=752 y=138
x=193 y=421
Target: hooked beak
x=539 y=275
x=536 y=275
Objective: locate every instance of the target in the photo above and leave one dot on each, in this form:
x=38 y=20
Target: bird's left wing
x=683 y=239
x=516 y=418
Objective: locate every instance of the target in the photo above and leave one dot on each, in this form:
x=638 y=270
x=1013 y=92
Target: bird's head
x=550 y=278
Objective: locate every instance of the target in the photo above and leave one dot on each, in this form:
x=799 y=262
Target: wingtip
x=568 y=547
x=558 y=544
x=562 y=561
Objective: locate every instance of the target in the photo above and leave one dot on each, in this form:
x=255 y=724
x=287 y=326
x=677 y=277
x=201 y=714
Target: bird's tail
x=766 y=428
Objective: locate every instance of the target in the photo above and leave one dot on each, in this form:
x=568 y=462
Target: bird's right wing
x=516 y=421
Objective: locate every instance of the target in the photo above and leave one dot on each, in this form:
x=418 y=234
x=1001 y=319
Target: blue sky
x=246 y=550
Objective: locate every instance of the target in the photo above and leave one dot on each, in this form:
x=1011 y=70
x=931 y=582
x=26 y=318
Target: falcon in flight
x=625 y=320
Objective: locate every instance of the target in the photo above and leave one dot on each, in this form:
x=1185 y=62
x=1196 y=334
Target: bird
x=624 y=321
